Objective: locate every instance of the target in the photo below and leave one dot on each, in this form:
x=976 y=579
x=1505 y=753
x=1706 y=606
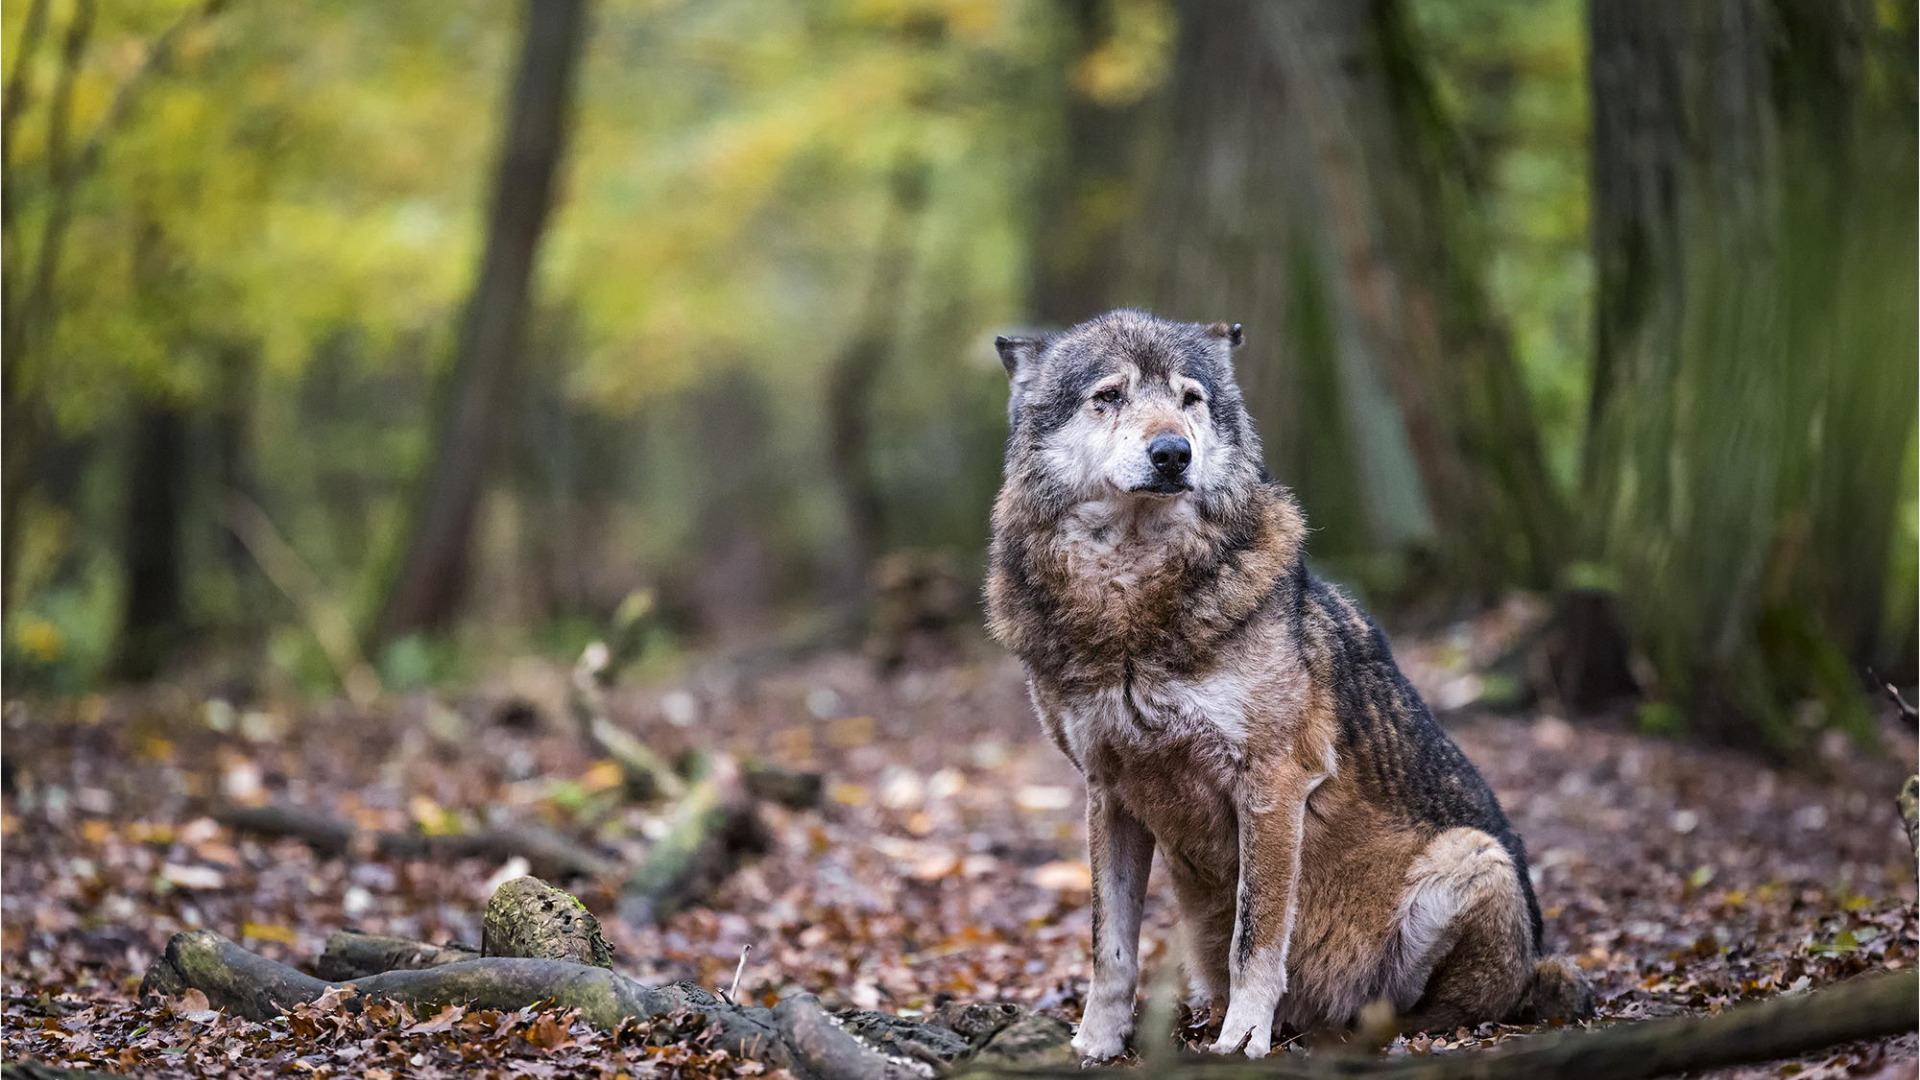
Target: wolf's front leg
x=1272 y=818
x=1121 y=851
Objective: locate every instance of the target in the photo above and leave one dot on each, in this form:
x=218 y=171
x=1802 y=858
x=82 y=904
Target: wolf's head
x=1127 y=406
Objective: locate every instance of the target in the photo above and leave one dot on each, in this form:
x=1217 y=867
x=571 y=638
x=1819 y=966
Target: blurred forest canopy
x=421 y=333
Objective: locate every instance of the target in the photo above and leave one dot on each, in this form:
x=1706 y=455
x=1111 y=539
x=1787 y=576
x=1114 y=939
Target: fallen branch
x=547 y=853
x=644 y=775
x=1872 y=1007
x=712 y=827
x=351 y=954
x=1907 y=710
x=988 y=1039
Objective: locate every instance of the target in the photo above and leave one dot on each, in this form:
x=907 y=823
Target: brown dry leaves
x=948 y=861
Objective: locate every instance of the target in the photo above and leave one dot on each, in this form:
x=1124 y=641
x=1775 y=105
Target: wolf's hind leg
x=1463 y=943
x=1206 y=922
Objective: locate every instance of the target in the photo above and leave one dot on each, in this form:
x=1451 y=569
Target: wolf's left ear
x=1017 y=352
x=1230 y=331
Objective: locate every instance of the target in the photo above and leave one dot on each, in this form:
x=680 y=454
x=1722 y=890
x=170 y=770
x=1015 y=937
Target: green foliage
x=1512 y=79
x=284 y=216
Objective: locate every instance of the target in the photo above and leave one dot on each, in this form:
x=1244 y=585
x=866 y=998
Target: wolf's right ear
x=1229 y=331
x=1017 y=353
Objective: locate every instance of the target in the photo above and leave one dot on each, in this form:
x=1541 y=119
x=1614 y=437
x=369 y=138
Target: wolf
x=1327 y=843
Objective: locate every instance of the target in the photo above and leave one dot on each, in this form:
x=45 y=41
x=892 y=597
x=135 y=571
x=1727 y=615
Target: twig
x=738 y=968
x=644 y=775
x=1900 y=702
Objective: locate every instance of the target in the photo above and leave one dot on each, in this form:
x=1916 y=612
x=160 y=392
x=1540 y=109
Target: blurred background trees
x=350 y=331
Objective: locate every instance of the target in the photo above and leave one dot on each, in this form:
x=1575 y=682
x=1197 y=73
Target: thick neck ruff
x=1105 y=592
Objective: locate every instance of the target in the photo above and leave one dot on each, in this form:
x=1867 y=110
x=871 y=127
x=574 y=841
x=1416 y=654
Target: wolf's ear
x=1017 y=353
x=1230 y=331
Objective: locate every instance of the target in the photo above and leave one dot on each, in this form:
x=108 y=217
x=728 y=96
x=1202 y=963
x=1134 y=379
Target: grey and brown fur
x=1327 y=843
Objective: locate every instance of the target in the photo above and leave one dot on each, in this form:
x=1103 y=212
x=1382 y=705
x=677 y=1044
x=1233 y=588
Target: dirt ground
x=948 y=860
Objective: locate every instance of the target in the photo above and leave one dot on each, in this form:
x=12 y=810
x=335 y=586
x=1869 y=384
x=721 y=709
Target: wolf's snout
x=1170 y=454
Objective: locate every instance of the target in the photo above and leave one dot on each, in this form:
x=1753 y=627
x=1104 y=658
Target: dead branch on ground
x=533 y=921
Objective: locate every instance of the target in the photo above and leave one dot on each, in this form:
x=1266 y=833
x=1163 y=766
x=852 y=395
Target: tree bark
x=1090 y=189
x=1307 y=187
x=1753 y=214
x=429 y=583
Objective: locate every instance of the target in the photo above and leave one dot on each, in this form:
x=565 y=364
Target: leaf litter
x=948 y=863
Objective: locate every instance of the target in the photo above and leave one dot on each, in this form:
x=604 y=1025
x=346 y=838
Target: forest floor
x=948 y=859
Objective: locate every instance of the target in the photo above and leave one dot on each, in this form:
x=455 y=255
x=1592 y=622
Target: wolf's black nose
x=1170 y=455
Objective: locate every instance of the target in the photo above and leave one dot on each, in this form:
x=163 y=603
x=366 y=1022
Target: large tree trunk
x=1753 y=223
x=1308 y=189
x=435 y=560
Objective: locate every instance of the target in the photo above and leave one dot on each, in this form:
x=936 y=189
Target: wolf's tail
x=1558 y=992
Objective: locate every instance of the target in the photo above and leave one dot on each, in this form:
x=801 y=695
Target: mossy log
x=528 y=917
x=796 y=1034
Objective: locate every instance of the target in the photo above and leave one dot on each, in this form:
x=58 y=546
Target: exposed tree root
x=351 y=954
x=551 y=934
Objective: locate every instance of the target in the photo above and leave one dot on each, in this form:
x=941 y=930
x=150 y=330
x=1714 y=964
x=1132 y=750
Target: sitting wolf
x=1327 y=843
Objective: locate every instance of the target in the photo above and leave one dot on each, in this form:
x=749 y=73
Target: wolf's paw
x=1097 y=1041
x=1257 y=1037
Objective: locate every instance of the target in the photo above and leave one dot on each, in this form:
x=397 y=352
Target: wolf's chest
x=1127 y=723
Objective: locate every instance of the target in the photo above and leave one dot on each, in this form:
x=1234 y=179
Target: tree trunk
x=1090 y=188
x=1230 y=233
x=1309 y=190
x=1753 y=224
x=25 y=305
x=152 y=613
x=435 y=559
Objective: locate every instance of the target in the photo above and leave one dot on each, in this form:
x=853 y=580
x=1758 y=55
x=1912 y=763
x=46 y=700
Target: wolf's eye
x=1193 y=398
x=1109 y=396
